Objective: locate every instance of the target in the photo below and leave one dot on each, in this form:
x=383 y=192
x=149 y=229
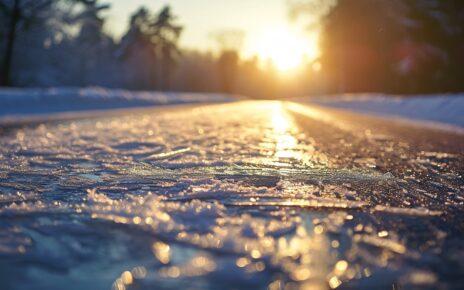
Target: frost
x=166 y=155
x=391 y=245
x=408 y=211
x=314 y=203
x=236 y=196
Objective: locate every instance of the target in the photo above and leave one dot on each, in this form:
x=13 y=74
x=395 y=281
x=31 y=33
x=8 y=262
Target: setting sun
x=286 y=49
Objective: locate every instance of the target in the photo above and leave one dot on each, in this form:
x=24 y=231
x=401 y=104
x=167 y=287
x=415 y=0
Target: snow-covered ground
x=445 y=109
x=24 y=102
x=19 y=103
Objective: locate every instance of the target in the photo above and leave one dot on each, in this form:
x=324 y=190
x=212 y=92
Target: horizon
x=204 y=18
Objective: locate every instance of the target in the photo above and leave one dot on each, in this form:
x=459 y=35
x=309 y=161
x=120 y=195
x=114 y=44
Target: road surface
x=244 y=195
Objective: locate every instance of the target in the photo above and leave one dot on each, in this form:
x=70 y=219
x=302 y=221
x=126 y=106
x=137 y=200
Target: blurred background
x=258 y=48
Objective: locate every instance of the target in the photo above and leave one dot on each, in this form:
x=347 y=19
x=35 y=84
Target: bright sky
x=265 y=23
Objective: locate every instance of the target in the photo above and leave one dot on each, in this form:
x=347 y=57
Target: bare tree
x=17 y=13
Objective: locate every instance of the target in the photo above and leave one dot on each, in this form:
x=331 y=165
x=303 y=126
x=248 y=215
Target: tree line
x=63 y=42
x=46 y=43
x=393 y=46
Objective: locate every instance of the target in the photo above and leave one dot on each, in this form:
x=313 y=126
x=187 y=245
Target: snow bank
x=447 y=109
x=14 y=102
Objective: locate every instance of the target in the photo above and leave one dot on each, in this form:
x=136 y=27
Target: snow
x=14 y=103
x=26 y=102
x=440 y=109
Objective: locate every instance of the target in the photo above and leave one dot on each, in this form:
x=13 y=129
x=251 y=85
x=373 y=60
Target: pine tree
x=92 y=45
x=150 y=45
x=167 y=34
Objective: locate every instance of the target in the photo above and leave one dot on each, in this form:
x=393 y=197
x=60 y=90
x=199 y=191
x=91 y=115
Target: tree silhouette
x=17 y=13
x=229 y=41
x=92 y=45
x=396 y=46
x=157 y=37
x=167 y=34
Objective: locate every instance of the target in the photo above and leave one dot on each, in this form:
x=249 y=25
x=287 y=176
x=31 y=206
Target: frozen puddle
x=228 y=196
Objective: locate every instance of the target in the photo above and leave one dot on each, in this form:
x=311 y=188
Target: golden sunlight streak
x=286 y=49
x=284 y=136
x=286 y=143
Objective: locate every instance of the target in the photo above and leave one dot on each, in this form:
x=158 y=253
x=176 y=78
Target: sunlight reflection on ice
x=286 y=143
x=287 y=146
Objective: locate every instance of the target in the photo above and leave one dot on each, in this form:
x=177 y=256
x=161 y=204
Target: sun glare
x=286 y=49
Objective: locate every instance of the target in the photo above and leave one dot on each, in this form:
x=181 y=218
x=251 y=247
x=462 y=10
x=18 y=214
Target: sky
x=262 y=21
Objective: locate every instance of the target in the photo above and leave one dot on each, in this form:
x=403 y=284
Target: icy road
x=244 y=195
